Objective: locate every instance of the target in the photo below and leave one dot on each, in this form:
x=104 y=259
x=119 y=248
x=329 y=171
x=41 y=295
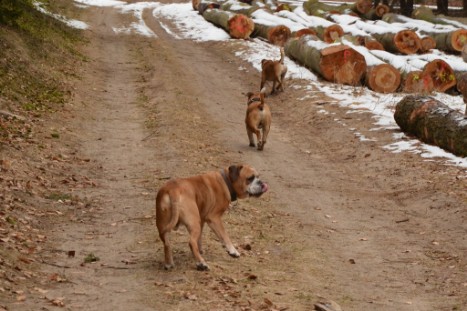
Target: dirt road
x=345 y=219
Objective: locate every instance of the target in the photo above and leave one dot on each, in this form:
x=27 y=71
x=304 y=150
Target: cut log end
x=459 y=39
x=342 y=64
x=363 y=6
x=383 y=78
x=283 y=7
x=304 y=32
x=279 y=35
x=373 y=45
x=417 y=82
x=407 y=42
x=441 y=73
x=427 y=44
x=382 y=9
x=195 y=4
x=332 y=33
x=240 y=26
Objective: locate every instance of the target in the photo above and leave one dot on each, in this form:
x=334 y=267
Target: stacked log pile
x=286 y=24
x=363 y=51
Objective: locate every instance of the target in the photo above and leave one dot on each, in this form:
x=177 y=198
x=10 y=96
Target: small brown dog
x=274 y=70
x=201 y=199
x=258 y=119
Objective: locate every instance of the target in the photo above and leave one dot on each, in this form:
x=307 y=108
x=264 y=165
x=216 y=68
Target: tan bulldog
x=258 y=119
x=273 y=70
x=201 y=199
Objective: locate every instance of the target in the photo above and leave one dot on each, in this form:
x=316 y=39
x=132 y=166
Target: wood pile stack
x=320 y=46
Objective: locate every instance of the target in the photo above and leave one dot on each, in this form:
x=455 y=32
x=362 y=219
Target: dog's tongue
x=264 y=187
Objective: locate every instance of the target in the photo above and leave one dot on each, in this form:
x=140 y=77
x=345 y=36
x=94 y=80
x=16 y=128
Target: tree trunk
x=383 y=78
x=335 y=63
x=433 y=122
x=405 y=42
x=441 y=73
x=237 y=25
x=417 y=82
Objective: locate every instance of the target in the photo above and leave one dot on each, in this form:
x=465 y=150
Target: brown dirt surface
x=344 y=220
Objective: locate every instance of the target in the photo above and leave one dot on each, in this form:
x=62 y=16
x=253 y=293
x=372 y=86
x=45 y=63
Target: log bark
x=383 y=78
x=238 y=26
x=316 y=8
x=335 y=63
x=426 y=14
x=417 y=82
x=433 y=122
x=442 y=74
x=239 y=7
x=405 y=42
x=450 y=41
x=203 y=6
x=462 y=87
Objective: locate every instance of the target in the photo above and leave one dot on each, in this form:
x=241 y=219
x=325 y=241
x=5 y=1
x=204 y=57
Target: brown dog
x=201 y=199
x=258 y=119
x=273 y=70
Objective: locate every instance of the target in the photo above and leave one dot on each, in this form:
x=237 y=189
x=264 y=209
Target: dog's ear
x=261 y=97
x=234 y=172
x=249 y=94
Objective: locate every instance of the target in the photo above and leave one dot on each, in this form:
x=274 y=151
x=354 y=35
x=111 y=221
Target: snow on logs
x=238 y=26
x=433 y=122
x=335 y=63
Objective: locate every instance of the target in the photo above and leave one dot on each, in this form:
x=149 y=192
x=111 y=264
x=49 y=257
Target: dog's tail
x=261 y=97
x=168 y=211
x=282 y=55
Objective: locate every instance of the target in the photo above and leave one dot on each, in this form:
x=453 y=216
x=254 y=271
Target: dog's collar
x=254 y=99
x=233 y=194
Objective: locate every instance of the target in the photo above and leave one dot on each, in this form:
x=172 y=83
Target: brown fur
x=258 y=119
x=274 y=70
x=201 y=199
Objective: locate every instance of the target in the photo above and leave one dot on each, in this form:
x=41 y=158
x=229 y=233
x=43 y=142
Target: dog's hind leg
x=168 y=261
x=250 y=137
x=194 y=230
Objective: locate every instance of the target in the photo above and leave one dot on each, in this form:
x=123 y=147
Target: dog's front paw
x=168 y=266
x=234 y=253
x=201 y=266
x=252 y=145
x=260 y=146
